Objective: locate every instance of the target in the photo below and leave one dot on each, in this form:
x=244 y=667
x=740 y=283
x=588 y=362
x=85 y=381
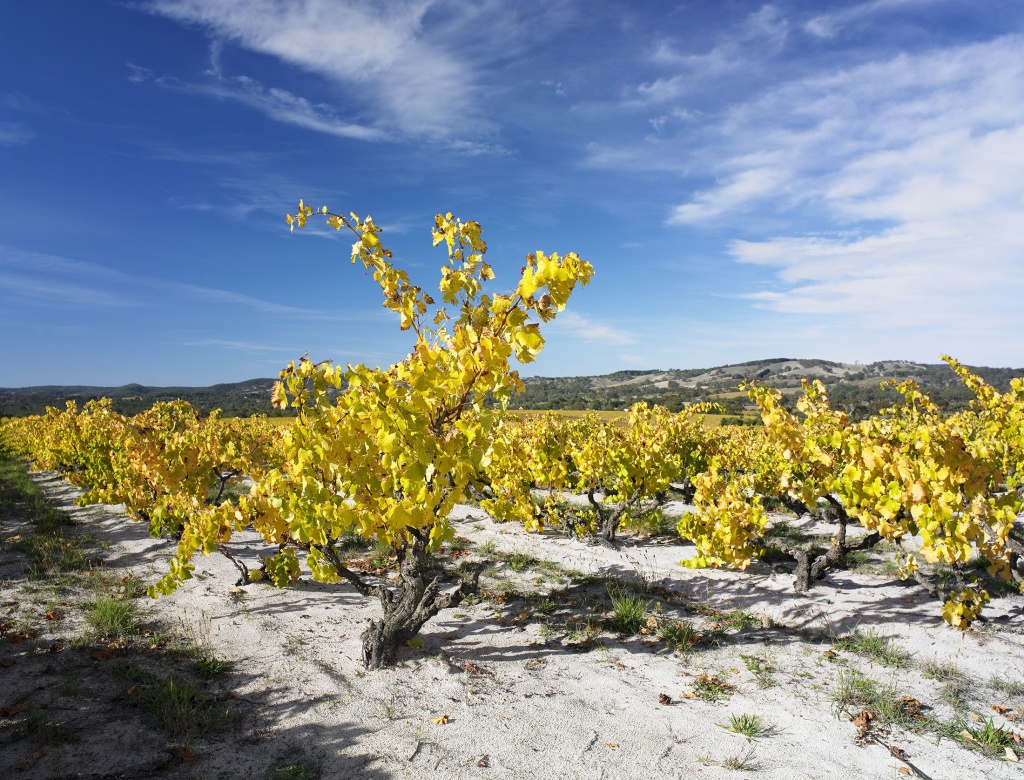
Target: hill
x=852 y=387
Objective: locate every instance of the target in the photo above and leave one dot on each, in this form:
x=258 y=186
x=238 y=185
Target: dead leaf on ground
x=14 y=709
x=439 y=721
x=862 y=720
x=903 y=770
x=664 y=698
x=483 y=761
x=898 y=752
x=611 y=744
x=102 y=655
x=1011 y=754
x=7 y=663
x=37 y=754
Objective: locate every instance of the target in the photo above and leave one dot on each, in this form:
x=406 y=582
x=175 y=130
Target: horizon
x=794 y=177
x=638 y=371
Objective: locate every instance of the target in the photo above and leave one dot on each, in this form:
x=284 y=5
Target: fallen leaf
x=1001 y=709
x=14 y=709
x=1011 y=754
x=903 y=770
x=7 y=663
x=52 y=616
x=37 y=754
x=483 y=761
x=188 y=755
x=830 y=654
x=967 y=735
x=862 y=720
x=439 y=721
x=975 y=718
x=611 y=744
x=101 y=655
x=664 y=698
x=898 y=752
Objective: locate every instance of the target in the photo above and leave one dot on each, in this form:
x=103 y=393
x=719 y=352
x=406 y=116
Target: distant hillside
x=852 y=387
x=240 y=399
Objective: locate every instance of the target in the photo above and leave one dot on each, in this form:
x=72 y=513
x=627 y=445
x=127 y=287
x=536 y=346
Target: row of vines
x=385 y=454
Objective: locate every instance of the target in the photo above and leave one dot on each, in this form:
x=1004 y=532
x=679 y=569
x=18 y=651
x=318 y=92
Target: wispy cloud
x=279 y=104
x=918 y=162
x=241 y=346
x=828 y=25
x=761 y=35
x=390 y=61
x=61 y=280
x=15 y=133
x=586 y=329
x=744 y=186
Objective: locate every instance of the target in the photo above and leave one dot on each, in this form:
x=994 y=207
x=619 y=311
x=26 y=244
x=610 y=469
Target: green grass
x=490 y=547
x=520 y=561
x=738 y=620
x=131 y=671
x=211 y=666
x=710 y=687
x=987 y=738
x=629 y=611
x=855 y=559
x=110 y=617
x=749 y=725
x=882 y=649
x=38 y=727
x=741 y=762
x=679 y=634
x=884 y=702
x=762 y=669
x=1007 y=687
x=50 y=547
x=180 y=711
x=296 y=772
x=955 y=689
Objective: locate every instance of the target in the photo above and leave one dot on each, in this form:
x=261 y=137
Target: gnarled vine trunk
x=409 y=606
x=809 y=570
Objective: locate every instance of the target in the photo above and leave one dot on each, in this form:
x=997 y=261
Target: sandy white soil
x=526 y=698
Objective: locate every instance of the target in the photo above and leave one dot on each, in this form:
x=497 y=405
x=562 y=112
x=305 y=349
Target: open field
x=577 y=661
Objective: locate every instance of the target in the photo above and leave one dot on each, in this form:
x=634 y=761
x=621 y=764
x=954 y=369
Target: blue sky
x=842 y=180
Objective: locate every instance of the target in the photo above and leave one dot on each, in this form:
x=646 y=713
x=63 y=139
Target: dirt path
x=527 y=684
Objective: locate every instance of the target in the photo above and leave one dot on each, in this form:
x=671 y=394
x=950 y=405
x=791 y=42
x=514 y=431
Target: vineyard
x=381 y=481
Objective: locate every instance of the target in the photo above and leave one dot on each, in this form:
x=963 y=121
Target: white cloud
x=382 y=52
x=743 y=187
x=586 y=329
x=53 y=279
x=760 y=36
x=830 y=24
x=281 y=105
x=138 y=74
x=918 y=163
x=15 y=133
